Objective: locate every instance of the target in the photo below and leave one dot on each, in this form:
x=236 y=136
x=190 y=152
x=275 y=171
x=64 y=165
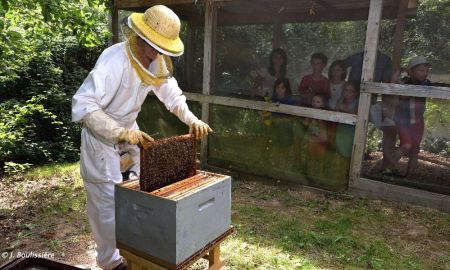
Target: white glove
x=102 y=125
x=135 y=137
x=199 y=129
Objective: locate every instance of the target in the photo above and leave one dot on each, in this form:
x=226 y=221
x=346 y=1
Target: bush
x=46 y=50
x=32 y=134
x=13 y=168
x=36 y=122
x=439 y=146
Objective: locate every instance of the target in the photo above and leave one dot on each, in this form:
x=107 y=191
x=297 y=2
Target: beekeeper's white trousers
x=101 y=213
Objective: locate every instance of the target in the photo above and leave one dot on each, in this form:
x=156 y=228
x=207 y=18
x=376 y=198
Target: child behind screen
x=409 y=116
x=282 y=92
x=348 y=103
x=336 y=75
x=317 y=141
x=314 y=83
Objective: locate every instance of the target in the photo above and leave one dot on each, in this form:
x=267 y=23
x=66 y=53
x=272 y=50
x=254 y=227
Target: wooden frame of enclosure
x=374 y=13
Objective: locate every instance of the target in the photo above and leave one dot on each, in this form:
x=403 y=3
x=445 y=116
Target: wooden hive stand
x=211 y=252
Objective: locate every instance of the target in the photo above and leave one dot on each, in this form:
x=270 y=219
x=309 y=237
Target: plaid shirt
x=410 y=110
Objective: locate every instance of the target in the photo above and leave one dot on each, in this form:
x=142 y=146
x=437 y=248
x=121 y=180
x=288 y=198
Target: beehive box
x=168 y=225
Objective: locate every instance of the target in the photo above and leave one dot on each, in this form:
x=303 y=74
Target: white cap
x=418 y=60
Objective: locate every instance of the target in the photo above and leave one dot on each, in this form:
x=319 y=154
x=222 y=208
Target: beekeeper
x=108 y=103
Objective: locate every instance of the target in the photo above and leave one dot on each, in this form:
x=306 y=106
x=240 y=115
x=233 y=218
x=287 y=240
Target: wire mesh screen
x=155 y=119
x=309 y=151
x=262 y=143
x=414 y=149
x=280 y=146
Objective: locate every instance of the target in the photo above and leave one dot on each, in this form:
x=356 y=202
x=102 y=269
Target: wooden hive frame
x=166 y=161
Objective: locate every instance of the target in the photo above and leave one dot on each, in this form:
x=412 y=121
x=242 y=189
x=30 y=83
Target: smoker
x=173 y=211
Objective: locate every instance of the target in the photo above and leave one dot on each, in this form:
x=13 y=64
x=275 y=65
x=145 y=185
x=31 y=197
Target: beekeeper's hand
x=199 y=129
x=135 y=137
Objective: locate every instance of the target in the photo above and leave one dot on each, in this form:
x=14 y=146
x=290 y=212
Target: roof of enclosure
x=269 y=11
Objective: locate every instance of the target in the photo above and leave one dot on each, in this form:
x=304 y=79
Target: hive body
x=176 y=221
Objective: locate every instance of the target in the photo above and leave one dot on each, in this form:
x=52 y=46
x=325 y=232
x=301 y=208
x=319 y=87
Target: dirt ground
x=30 y=222
x=432 y=170
x=47 y=218
x=46 y=215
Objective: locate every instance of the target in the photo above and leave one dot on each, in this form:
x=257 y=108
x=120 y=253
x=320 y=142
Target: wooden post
x=208 y=66
x=190 y=55
x=214 y=258
x=277 y=33
x=135 y=262
x=399 y=31
x=362 y=119
x=115 y=23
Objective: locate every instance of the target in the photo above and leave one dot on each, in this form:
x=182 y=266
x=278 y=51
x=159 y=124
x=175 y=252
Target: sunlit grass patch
x=55 y=170
x=334 y=231
x=244 y=255
x=59 y=186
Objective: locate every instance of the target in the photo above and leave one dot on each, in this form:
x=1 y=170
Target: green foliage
x=13 y=168
x=439 y=145
x=428 y=33
x=26 y=26
x=374 y=138
x=46 y=50
x=30 y=133
x=437 y=120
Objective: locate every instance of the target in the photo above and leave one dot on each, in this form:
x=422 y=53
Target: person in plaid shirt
x=408 y=116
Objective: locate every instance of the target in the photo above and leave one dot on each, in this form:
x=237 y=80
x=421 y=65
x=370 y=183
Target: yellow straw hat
x=160 y=27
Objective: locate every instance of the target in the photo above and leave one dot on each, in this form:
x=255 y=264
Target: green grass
x=332 y=232
x=63 y=196
x=52 y=170
x=279 y=226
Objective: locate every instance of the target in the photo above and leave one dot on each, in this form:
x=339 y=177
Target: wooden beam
x=413 y=4
x=399 y=31
x=277 y=34
x=115 y=24
x=190 y=54
x=215 y=263
x=137 y=263
x=208 y=66
x=380 y=190
x=332 y=116
x=326 y=5
x=148 y=3
x=268 y=17
x=370 y=54
x=262 y=11
x=406 y=90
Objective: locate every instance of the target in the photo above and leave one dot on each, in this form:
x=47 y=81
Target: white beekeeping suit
x=108 y=103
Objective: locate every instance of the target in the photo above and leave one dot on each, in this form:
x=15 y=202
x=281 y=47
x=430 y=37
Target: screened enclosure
x=432 y=169
x=228 y=48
